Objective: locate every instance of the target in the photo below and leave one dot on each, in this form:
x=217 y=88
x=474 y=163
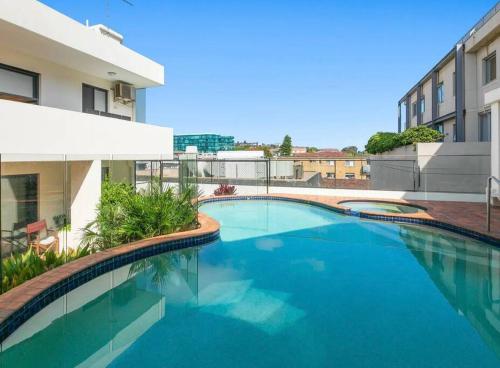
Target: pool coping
x=419 y=218
x=24 y=301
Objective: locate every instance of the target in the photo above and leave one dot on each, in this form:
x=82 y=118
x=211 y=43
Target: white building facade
x=72 y=110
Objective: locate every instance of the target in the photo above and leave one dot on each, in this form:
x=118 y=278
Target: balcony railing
x=107 y=114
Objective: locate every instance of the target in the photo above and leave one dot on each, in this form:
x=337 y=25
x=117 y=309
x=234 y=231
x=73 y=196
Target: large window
x=350 y=176
x=440 y=92
x=349 y=163
x=489 y=68
x=485 y=127
x=19 y=206
x=94 y=99
x=18 y=84
x=414 y=109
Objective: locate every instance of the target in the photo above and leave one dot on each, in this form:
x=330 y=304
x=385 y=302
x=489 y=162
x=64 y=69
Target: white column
x=85 y=195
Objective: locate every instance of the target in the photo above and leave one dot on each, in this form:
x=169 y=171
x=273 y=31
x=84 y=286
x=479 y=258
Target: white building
x=72 y=100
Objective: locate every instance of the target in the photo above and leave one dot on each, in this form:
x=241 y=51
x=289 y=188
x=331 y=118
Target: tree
x=352 y=150
x=286 y=146
x=311 y=149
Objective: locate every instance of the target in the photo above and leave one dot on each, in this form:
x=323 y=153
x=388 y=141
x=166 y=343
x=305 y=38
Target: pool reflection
x=95 y=323
x=467 y=274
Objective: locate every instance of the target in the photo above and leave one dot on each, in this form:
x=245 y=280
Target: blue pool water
x=288 y=285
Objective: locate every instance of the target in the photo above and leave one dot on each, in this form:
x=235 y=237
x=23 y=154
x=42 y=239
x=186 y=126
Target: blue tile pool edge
x=57 y=290
x=348 y=212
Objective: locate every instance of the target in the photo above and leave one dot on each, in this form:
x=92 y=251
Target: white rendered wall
x=61 y=87
x=38 y=130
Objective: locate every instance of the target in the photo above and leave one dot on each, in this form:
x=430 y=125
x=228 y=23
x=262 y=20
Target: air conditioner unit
x=124 y=92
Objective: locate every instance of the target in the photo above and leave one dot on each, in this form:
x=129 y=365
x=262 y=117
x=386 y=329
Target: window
x=18 y=84
x=454 y=132
x=349 y=163
x=422 y=104
x=440 y=92
x=349 y=175
x=330 y=175
x=331 y=163
x=439 y=128
x=485 y=127
x=19 y=206
x=414 y=109
x=94 y=99
x=490 y=68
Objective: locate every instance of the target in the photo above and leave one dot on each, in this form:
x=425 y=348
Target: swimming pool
x=381 y=206
x=289 y=285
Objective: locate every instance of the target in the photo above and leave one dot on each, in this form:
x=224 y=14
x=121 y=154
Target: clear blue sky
x=327 y=72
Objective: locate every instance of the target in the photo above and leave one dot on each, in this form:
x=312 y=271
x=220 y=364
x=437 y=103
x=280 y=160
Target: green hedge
x=385 y=141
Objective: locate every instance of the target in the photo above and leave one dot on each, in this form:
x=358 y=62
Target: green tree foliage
x=382 y=142
x=311 y=149
x=385 y=141
x=124 y=215
x=286 y=146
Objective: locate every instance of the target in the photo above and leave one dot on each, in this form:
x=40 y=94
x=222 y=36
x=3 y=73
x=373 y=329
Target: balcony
x=29 y=132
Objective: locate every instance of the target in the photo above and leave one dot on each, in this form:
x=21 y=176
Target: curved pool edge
x=24 y=301
x=422 y=218
x=385 y=201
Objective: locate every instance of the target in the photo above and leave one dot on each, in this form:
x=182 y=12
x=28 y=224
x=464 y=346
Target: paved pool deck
x=467 y=215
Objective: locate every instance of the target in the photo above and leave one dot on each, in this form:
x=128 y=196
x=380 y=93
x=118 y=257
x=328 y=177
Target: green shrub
x=382 y=142
x=21 y=267
x=385 y=141
x=420 y=134
x=124 y=215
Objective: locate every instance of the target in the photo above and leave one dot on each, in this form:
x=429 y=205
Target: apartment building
x=460 y=95
x=204 y=143
x=72 y=110
x=331 y=165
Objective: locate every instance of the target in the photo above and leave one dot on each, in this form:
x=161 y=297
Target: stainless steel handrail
x=488 y=201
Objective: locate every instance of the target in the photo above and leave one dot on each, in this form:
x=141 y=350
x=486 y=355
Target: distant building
x=332 y=165
x=205 y=143
x=297 y=150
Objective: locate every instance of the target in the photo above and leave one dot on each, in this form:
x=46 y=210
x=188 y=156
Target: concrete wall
x=433 y=167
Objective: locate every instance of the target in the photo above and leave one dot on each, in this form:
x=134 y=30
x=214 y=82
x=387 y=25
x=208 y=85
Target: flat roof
x=32 y=28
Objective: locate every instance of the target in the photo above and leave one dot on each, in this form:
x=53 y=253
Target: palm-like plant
x=124 y=215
